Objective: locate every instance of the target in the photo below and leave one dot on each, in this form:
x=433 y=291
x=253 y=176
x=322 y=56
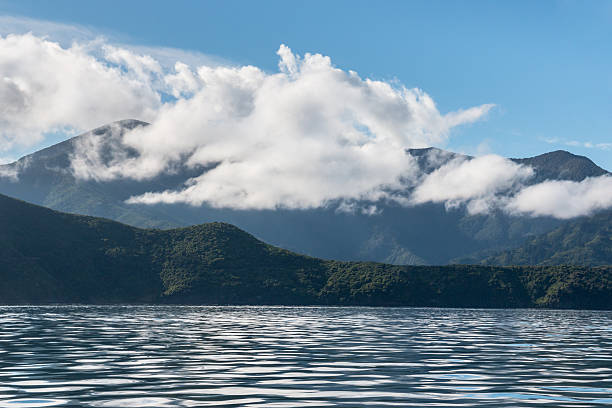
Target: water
x=158 y=356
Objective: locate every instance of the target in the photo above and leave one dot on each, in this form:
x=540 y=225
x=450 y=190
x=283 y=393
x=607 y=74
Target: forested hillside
x=51 y=257
x=584 y=241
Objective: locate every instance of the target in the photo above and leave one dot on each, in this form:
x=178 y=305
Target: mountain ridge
x=574 y=168
x=425 y=234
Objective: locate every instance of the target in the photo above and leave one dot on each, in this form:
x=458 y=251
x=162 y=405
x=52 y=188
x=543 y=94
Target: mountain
x=584 y=241
x=562 y=165
x=46 y=178
x=425 y=234
x=50 y=257
x=557 y=165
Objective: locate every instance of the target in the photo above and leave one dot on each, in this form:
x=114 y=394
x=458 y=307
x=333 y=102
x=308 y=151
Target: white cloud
x=306 y=136
x=578 y=143
x=100 y=150
x=491 y=182
x=590 y=145
x=183 y=83
x=479 y=183
x=167 y=57
x=563 y=199
x=10 y=169
x=301 y=138
x=139 y=68
x=68 y=34
x=64 y=34
x=45 y=87
x=6 y=160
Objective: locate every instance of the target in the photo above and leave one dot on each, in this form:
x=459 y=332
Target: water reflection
x=140 y=356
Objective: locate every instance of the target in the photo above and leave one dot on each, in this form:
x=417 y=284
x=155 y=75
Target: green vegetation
x=51 y=257
x=585 y=241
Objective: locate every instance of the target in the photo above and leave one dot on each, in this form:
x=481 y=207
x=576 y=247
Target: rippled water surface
x=158 y=356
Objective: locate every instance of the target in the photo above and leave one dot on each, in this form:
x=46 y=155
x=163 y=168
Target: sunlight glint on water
x=158 y=356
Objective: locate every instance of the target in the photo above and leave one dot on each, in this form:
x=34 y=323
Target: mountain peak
x=123 y=124
x=59 y=150
x=420 y=151
x=130 y=123
x=432 y=158
x=555 y=165
x=562 y=165
x=560 y=152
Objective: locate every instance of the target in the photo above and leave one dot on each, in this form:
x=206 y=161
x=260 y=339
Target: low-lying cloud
x=492 y=182
x=307 y=136
x=303 y=137
x=480 y=183
x=563 y=198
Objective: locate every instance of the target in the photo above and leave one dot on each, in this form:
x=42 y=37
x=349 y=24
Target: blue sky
x=546 y=65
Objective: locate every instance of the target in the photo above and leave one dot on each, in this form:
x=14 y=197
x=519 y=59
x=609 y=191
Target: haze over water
x=156 y=356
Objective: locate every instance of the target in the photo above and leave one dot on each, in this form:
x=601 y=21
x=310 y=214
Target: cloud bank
x=309 y=135
x=303 y=137
x=563 y=199
x=492 y=182
x=481 y=183
x=46 y=88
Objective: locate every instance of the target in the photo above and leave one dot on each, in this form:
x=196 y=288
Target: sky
x=545 y=65
x=320 y=97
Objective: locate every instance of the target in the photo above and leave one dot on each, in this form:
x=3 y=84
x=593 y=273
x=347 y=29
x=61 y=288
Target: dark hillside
x=584 y=241
x=51 y=257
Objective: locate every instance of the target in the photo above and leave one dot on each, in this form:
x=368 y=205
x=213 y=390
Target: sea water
x=208 y=356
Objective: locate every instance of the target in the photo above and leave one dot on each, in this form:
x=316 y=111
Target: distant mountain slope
x=585 y=241
x=45 y=178
x=46 y=256
x=425 y=234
